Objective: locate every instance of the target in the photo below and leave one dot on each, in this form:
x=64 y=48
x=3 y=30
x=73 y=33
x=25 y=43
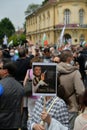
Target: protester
x=23 y=64
x=29 y=102
x=82 y=60
x=14 y=54
x=70 y=79
x=11 y=97
x=46 y=55
x=48 y=112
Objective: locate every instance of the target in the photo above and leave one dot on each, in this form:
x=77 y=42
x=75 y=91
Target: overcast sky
x=14 y=10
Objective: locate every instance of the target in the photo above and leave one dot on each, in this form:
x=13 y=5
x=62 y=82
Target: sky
x=14 y=10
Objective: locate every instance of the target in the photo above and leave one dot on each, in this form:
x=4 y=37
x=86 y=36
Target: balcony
x=71 y=26
x=83 y=25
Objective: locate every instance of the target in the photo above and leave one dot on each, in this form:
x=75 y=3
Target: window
x=67 y=16
x=81 y=16
x=39 y=21
x=43 y=20
x=82 y=38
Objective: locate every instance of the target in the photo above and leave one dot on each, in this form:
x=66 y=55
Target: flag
x=61 y=36
x=83 y=43
x=5 y=40
x=44 y=40
x=10 y=43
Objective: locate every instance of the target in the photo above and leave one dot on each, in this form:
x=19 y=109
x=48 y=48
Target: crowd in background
x=15 y=63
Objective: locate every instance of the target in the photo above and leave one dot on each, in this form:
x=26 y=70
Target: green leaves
x=6 y=28
x=31 y=8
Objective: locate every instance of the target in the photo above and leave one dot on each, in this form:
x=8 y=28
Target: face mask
x=72 y=62
x=11 y=54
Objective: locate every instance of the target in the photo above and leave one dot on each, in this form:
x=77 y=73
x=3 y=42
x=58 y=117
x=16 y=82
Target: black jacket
x=81 y=59
x=23 y=64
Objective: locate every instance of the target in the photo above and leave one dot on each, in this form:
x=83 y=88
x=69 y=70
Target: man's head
x=7 y=67
x=37 y=71
x=12 y=52
x=47 y=52
x=66 y=56
x=22 y=52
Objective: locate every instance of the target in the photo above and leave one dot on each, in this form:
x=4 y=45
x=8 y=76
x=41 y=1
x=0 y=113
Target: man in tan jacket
x=70 y=79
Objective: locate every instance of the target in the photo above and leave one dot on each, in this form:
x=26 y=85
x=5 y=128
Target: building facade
x=51 y=18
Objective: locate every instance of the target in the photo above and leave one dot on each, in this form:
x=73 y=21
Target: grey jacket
x=10 y=103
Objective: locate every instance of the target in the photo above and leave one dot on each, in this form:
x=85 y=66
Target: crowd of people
x=65 y=111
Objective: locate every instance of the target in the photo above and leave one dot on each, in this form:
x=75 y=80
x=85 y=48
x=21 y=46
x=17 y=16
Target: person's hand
x=38 y=127
x=41 y=82
x=42 y=76
x=46 y=117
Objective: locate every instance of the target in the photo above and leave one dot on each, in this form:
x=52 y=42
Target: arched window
x=67 y=16
x=82 y=38
x=81 y=16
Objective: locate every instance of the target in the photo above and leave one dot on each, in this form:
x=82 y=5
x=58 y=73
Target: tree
x=44 y=2
x=18 y=39
x=31 y=8
x=6 y=28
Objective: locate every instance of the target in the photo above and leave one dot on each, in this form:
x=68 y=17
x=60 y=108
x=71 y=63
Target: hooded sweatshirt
x=70 y=79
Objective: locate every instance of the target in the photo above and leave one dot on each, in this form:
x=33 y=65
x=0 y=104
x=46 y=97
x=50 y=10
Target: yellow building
x=51 y=17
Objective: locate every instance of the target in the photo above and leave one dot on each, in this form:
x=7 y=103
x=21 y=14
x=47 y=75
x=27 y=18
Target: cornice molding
x=64 y=1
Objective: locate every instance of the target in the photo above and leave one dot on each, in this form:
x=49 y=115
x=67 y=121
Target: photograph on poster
x=44 y=80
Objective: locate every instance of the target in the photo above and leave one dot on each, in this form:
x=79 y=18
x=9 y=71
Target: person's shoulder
x=77 y=73
x=40 y=100
x=79 y=118
x=60 y=101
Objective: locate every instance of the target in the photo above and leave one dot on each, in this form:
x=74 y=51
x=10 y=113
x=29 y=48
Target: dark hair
x=10 y=66
x=65 y=54
x=46 y=50
x=84 y=100
x=62 y=94
x=35 y=59
x=61 y=91
x=36 y=66
x=6 y=54
x=22 y=52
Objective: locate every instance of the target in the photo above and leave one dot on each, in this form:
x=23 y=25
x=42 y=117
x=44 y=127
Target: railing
x=71 y=26
x=83 y=25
